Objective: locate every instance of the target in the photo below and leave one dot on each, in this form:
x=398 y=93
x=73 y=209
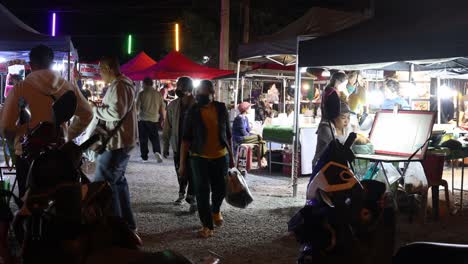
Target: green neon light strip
x=129 y=44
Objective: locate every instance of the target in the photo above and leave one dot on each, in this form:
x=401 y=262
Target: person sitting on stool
x=242 y=134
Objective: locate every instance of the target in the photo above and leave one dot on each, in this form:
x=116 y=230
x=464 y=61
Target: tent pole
x=297 y=108
x=69 y=66
x=410 y=80
x=438 y=101
x=242 y=89
x=236 y=92
x=219 y=90
x=2 y=86
x=251 y=87
x=284 y=95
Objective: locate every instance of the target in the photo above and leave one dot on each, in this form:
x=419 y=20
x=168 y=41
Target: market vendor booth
x=410 y=43
x=17 y=39
x=280 y=48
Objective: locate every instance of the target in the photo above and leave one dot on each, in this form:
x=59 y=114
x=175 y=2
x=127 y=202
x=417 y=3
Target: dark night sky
x=100 y=27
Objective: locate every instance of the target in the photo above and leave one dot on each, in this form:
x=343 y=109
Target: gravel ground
x=262 y=227
x=257 y=234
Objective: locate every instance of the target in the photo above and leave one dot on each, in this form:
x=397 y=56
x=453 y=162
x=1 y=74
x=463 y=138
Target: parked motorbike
x=65 y=218
x=344 y=220
x=347 y=221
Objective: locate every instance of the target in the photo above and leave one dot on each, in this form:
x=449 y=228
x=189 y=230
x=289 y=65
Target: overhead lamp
x=326 y=73
x=446 y=92
x=196 y=82
x=303 y=69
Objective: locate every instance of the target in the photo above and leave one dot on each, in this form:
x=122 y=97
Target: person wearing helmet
x=242 y=133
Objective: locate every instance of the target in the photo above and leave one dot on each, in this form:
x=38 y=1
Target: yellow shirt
x=213 y=147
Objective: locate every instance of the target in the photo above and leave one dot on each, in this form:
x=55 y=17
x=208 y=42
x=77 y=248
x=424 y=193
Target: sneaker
x=179 y=200
x=144 y=160
x=205 y=232
x=218 y=219
x=193 y=208
x=135 y=238
x=190 y=199
x=158 y=157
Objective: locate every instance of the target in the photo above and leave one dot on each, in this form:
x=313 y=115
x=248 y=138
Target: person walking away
x=117 y=104
x=207 y=135
x=242 y=133
x=39 y=89
x=172 y=134
x=151 y=109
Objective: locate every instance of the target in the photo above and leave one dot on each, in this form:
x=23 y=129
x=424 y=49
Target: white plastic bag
x=415 y=178
x=237 y=191
x=392 y=174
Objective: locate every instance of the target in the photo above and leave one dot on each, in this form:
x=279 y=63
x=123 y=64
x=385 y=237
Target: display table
x=284 y=135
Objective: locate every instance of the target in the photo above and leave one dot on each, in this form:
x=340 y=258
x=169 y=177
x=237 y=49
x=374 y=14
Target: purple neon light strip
x=53 y=24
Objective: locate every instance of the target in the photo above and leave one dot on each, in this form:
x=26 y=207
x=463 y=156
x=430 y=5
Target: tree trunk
x=224 y=37
x=246 y=33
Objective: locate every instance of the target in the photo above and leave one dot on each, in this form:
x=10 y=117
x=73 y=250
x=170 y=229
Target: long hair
x=336 y=77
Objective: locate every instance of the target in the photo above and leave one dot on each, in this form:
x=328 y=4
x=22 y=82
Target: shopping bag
x=237 y=191
x=415 y=178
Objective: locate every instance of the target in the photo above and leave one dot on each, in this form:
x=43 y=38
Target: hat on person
x=243 y=107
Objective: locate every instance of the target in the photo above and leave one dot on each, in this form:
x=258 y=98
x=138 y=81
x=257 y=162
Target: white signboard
x=401 y=133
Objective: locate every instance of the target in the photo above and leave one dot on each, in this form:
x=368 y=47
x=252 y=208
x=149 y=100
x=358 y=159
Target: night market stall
x=281 y=48
x=412 y=40
x=17 y=39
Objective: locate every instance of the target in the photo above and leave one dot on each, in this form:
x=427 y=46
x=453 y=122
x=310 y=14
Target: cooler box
x=276 y=156
x=287 y=158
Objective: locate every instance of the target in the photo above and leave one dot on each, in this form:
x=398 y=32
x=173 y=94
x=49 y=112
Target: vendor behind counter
x=338 y=128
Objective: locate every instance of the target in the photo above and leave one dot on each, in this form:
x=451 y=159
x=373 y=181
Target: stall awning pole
x=284 y=95
x=236 y=92
x=297 y=107
x=2 y=90
x=69 y=66
x=219 y=90
x=242 y=89
x=251 y=87
x=438 y=101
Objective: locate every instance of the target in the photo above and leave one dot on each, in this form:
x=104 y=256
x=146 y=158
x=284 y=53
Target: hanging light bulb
x=326 y=73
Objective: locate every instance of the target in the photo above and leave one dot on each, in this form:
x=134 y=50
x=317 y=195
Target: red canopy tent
x=138 y=63
x=175 y=65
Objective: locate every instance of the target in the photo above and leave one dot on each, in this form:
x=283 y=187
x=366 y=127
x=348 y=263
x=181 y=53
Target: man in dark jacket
x=172 y=135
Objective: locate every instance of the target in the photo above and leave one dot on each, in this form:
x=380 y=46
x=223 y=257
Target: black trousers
x=185 y=183
x=22 y=169
x=148 y=130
